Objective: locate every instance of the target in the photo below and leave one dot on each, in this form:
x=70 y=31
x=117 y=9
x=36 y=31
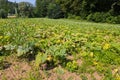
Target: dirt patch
x=15 y=71
x=61 y=74
x=88 y=76
x=97 y=76
x=20 y=70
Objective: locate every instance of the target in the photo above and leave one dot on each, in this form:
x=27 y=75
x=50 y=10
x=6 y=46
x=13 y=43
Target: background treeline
x=22 y=9
x=92 y=10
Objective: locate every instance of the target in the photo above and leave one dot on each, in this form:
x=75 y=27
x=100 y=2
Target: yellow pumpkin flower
x=106 y=46
x=58 y=41
x=117 y=77
x=49 y=58
x=95 y=63
x=1 y=37
x=115 y=70
x=91 y=54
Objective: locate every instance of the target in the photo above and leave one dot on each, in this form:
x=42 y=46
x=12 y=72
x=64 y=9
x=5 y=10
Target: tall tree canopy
x=41 y=7
x=25 y=9
x=4 y=4
x=3 y=8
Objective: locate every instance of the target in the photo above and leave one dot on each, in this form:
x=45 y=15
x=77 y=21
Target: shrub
x=97 y=17
x=113 y=19
x=117 y=19
x=90 y=17
x=103 y=17
x=110 y=19
x=71 y=16
x=77 y=17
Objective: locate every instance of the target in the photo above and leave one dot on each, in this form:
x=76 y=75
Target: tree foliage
x=13 y=6
x=25 y=9
x=54 y=11
x=41 y=7
x=3 y=13
x=4 y=4
x=82 y=9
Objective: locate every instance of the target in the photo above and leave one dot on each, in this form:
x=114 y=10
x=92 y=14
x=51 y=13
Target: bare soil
x=16 y=69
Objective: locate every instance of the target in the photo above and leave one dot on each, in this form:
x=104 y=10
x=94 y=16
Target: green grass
x=51 y=41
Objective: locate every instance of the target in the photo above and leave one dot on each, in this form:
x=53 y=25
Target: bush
x=113 y=19
x=103 y=17
x=70 y=16
x=118 y=19
x=77 y=17
x=110 y=19
x=90 y=17
x=97 y=17
x=3 y=13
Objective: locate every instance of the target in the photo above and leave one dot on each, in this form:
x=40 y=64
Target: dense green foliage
x=3 y=8
x=8 y=7
x=80 y=9
x=22 y=9
x=25 y=9
x=3 y=13
x=4 y=4
x=41 y=7
x=103 y=17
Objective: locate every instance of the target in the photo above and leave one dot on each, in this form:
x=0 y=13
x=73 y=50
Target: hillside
x=58 y=49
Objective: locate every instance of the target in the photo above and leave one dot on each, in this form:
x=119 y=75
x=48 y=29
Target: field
x=61 y=49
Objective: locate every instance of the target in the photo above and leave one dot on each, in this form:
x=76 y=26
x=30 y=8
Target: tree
x=65 y=6
x=25 y=9
x=54 y=11
x=41 y=7
x=3 y=8
x=4 y=4
x=13 y=6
